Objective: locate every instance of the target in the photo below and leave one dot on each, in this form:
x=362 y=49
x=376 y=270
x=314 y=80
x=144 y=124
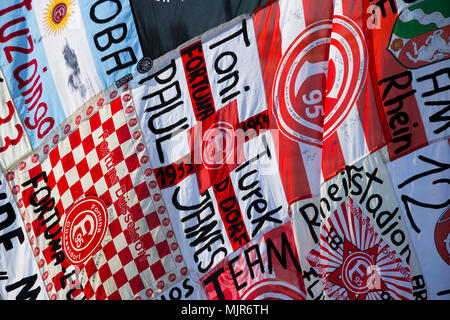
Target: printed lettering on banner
x=20 y=277
x=420 y=181
x=265 y=268
x=91 y=202
x=353 y=234
x=205 y=119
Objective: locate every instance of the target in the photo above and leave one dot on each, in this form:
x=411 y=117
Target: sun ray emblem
x=57 y=15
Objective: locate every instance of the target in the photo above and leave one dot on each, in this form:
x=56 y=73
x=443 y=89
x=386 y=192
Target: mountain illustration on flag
x=421 y=34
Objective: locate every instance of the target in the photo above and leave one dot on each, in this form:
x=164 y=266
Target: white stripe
x=338 y=7
x=352 y=138
x=423 y=18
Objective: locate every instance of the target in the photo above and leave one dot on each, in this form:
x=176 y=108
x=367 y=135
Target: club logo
x=442 y=236
x=358 y=272
x=421 y=34
x=57 y=15
x=318 y=80
x=355 y=263
x=273 y=289
x=84 y=229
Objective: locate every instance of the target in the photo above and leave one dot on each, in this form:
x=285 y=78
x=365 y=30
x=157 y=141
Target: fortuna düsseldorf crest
x=313 y=62
x=355 y=263
x=84 y=229
x=421 y=34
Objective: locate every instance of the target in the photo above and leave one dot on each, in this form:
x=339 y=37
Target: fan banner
x=353 y=241
x=265 y=268
x=20 y=278
x=205 y=121
x=420 y=181
x=14 y=142
x=412 y=49
x=57 y=54
x=90 y=201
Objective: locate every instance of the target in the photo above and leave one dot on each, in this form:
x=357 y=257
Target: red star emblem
x=358 y=273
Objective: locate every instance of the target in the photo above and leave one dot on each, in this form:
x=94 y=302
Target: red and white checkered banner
x=421 y=183
x=265 y=268
x=92 y=208
x=353 y=241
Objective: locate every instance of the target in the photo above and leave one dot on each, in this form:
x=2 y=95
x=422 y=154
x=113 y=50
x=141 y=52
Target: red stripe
x=274 y=51
x=259 y=21
x=370 y=117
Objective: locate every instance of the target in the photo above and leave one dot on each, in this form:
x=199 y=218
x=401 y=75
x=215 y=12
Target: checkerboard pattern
x=105 y=156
